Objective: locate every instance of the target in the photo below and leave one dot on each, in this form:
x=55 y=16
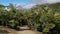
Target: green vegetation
x=43 y=18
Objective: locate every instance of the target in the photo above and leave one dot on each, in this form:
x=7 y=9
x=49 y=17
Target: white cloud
x=44 y=1
x=24 y=6
x=53 y=1
x=29 y=6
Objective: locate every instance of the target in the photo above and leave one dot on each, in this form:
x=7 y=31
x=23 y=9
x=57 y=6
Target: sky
x=27 y=3
x=44 y=1
x=6 y=2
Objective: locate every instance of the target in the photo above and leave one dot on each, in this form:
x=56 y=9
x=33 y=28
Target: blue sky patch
x=6 y=2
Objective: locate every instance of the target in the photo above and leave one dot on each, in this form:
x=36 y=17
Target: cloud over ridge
x=44 y=1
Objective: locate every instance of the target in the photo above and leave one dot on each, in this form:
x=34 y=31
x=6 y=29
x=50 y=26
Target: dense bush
x=41 y=18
